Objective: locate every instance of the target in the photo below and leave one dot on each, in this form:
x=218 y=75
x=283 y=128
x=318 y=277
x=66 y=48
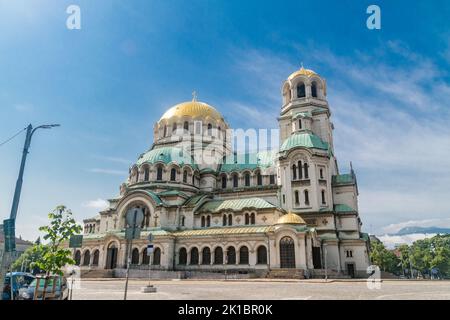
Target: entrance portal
x=287 y=253
x=111 y=257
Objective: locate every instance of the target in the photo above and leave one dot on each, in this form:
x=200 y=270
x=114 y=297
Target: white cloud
x=392 y=241
x=114 y=159
x=395 y=227
x=108 y=171
x=99 y=204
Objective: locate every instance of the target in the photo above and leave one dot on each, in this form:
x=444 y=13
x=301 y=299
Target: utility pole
x=9 y=225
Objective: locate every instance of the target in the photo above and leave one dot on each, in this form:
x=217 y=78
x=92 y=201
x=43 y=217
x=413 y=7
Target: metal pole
x=7 y=256
x=129 y=258
x=326 y=266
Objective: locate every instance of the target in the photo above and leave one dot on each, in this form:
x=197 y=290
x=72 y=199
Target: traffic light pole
x=10 y=244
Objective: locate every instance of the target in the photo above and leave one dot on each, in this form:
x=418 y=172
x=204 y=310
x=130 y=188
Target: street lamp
x=9 y=225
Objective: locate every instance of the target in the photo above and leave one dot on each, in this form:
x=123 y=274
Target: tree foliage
x=52 y=256
x=384 y=258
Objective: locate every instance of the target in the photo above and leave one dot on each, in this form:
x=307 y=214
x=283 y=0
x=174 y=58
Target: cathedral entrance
x=287 y=253
x=317 y=257
x=111 y=257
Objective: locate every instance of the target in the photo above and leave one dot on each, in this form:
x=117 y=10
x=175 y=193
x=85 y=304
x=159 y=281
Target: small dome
x=302 y=72
x=291 y=218
x=192 y=109
x=305 y=139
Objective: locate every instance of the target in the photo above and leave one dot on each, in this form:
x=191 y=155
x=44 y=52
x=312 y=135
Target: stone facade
x=210 y=209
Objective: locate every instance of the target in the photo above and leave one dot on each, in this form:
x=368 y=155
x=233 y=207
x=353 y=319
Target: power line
x=9 y=139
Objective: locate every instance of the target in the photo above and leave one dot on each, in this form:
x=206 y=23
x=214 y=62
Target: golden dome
x=302 y=72
x=291 y=218
x=192 y=109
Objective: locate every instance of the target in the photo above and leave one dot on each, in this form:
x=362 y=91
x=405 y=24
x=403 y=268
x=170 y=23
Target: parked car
x=20 y=280
x=57 y=289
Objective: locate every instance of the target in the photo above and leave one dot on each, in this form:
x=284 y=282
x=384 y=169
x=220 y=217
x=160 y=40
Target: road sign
x=132 y=233
x=134 y=217
x=76 y=241
x=149 y=249
x=10 y=235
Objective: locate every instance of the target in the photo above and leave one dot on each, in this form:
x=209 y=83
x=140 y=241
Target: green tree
x=53 y=255
x=385 y=259
x=27 y=258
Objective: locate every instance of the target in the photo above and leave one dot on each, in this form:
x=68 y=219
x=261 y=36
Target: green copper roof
x=168 y=193
x=340 y=208
x=250 y=161
x=343 y=179
x=303 y=139
x=167 y=155
x=235 y=205
x=193 y=201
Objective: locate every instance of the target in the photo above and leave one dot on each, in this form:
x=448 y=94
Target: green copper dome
x=167 y=155
x=305 y=140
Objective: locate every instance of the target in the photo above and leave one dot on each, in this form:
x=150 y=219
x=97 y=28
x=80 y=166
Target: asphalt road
x=113 y=289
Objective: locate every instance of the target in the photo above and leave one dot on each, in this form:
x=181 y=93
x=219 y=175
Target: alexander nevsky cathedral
x=284 y=212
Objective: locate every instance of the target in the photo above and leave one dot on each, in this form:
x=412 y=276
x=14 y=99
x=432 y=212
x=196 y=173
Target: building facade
x=211 y=209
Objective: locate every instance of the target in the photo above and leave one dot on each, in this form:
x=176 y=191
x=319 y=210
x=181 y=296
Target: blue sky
x=106 y=84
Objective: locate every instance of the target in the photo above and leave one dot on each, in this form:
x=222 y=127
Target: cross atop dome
x=194 y=95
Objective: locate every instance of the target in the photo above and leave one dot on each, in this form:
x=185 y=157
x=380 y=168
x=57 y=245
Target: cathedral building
x=210 y=209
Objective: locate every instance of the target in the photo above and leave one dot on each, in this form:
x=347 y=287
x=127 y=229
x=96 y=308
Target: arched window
x=219 y=132
x=259 y=179
x=208 y=221
x=323 y=197
x=314 y=89
x=294 y=172
x=230 y=219
x=145 y=257
x=165 y=131
x=321 y=173
x=96 y=258
x=305 y=168
x=159 y=173
x=146 y=174
x=300 y=175
x=135 y=256
x=247 y=218
x=247 y=179
x=173 y=174
x=224 y=182
x=86 y=258
x=218 y=256
x=231 y=255
x=174 y=127
x=301 y=92
x=156 y=257
x=306 y=197
x=206 y=256
x=252 y=218
x=209 y=129
x=77 y=258
x=182 y=258
x=203 y=222
x=224 y=220
x=193 y=179
x=297 y=198
x=243 y=255
x=186 y=127
x=261 y=255
x=272 y=179
x=185 y=174
x=194 y=256
x=235 y=181
x=299 y=124
x=287 y=253
x=183 y=221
